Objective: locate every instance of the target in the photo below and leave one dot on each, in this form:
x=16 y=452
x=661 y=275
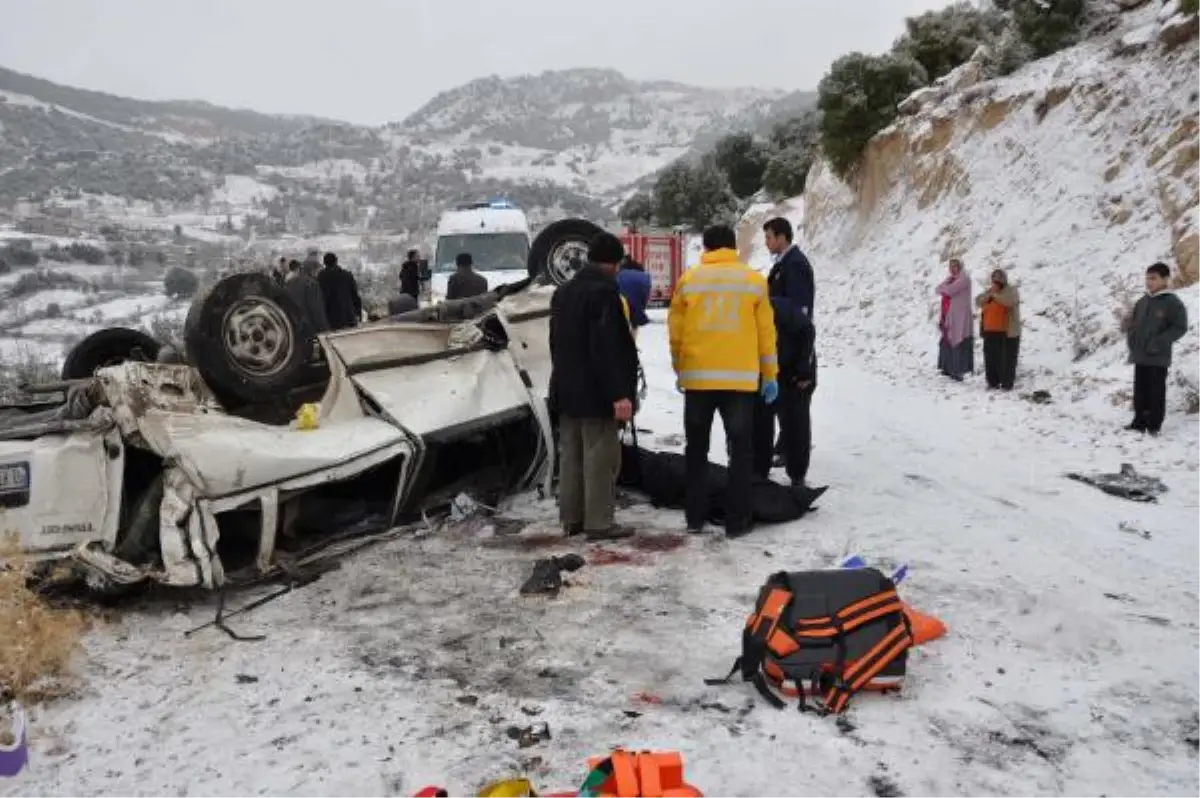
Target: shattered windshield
x=490 y=251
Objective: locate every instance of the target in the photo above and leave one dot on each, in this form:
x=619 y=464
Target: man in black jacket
x=792 y=293
x=302 y=286
x=593 y=387
x=343 y=305
x=465 y=282
x=410 y=275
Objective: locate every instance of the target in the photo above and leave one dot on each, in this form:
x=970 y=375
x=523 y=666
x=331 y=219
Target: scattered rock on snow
x=529 y=735
x=245 y=678
x=546 y=578
x=1179 y=29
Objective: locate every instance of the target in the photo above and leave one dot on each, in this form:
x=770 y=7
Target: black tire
x=250 y=311
x=108 y=348
x=550 y=250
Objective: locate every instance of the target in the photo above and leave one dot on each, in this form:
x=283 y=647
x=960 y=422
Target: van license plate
x=14 y=484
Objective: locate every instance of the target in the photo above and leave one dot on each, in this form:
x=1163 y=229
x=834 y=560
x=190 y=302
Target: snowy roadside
x=1070 y=667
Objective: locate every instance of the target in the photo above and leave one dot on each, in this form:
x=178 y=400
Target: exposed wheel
x=561 y=249
x=109 y=347
x=249 y=341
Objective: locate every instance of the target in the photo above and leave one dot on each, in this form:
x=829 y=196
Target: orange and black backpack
x=822 y=636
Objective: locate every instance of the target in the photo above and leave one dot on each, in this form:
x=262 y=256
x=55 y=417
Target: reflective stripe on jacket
x=722 y=327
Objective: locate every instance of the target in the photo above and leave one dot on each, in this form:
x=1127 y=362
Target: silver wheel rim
x=258 y=336
x=560 y=265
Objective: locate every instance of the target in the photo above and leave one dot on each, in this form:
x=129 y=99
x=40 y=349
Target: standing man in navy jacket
x=792 y=293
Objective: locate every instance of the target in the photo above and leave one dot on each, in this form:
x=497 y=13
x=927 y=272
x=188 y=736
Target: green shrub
x=180 y=283
x=944 y=39
x=787 y=170
x=638 y=210
x=742 y=160
x=1047 y=26
x=693 y=195
x=857 y=99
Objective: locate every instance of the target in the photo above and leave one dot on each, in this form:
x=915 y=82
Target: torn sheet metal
x=223 y=455
x=448 y=393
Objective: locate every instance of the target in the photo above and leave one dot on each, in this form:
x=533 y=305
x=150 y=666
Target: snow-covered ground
x=1070 y=667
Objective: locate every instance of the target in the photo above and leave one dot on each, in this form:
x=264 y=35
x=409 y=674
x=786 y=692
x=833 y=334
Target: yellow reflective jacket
x=722 y=327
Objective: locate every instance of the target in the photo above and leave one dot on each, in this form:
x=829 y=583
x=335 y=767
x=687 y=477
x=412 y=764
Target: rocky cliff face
x=1074 y=174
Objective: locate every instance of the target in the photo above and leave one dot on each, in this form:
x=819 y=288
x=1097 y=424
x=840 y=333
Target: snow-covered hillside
x=1074 y=174
x=562 y=142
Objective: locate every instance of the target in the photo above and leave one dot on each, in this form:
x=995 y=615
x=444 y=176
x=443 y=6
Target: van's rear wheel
x=560 y=250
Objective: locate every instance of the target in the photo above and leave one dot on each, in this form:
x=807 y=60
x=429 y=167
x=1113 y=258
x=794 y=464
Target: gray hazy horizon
x=375 y=61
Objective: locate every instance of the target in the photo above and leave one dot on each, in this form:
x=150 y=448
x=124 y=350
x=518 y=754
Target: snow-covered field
x=1070 y=667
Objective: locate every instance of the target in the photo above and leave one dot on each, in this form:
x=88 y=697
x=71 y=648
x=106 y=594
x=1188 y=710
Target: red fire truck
x=663 y=254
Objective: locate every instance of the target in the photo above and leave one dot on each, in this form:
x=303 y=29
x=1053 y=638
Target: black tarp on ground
x=662 y=477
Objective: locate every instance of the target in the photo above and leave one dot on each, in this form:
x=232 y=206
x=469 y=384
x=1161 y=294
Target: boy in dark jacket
x=634 y=284
x=1158 y=320
x=593 y=386
x=791 y=289
x=343 y=305
x=465 y=282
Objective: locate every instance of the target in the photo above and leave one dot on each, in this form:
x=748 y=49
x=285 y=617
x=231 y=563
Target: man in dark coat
x=593 y=387
x=465 y=282
x=792 y=294
x=343 y=305
x=1158 y=320
x=302 y=286
x=410 y=275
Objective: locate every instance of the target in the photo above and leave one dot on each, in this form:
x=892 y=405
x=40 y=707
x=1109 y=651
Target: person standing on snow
x=343 y=305
x=635 y=288
x=410 y=275
x=956 y=347
x=465 y=282
x=1157 y=321
x=1000 y=326
x=722 y=333
x=301 y=285
x=593 y=388
x=790 y=283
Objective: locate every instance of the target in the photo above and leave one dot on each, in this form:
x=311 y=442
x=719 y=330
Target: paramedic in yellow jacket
x=723 y=350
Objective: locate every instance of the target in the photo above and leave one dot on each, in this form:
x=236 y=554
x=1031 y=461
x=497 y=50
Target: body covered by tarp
x=662 y=476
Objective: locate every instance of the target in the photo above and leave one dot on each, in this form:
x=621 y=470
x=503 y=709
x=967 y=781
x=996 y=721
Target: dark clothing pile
x=662 y=477
x=635 y=286
x=594 y=361
x=410 y=278
x=305 y=291
x=466 y=283
x=343 y=305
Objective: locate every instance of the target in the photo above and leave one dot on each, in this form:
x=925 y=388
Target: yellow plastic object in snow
x=306 y=416
x=509 y=788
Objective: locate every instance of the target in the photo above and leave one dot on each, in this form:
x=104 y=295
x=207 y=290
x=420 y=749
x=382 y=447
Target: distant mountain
x=565 y=142
x=183 y=117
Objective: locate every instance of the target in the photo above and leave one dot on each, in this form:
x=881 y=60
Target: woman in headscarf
x=1000 y=325
x=956 y=351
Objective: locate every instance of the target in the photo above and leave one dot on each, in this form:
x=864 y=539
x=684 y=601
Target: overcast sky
x=375 y=61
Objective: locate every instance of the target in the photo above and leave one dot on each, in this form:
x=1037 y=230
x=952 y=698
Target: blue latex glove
x=679 y=386
x=770 y=391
